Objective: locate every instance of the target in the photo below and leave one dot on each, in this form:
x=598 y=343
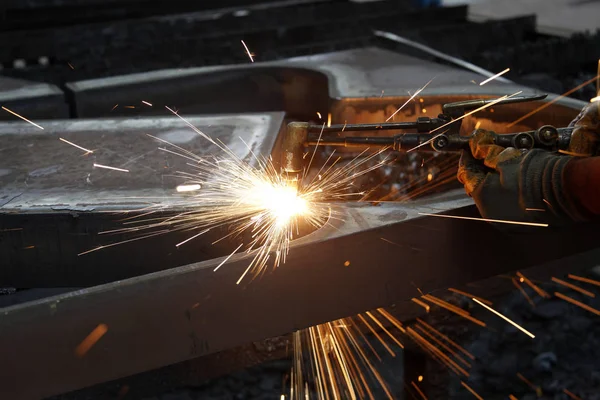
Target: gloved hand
x=516 y=185
x=585 y=139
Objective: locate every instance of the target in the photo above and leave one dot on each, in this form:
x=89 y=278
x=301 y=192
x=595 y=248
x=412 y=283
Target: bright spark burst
x=22 y=117
x=491 y=78
x=256 y=203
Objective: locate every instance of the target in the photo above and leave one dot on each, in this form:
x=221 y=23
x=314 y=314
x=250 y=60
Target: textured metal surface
x=170 y=316
x=53 y=202
x=301 y=86
x=34 y=99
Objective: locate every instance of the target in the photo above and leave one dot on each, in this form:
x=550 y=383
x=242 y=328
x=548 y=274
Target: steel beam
x=169 y=316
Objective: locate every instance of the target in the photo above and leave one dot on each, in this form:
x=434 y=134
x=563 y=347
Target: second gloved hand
x=516 y=185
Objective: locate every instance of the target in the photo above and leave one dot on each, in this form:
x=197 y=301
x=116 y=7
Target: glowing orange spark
x=545 y=105
x=469 y=295
x=22 y=117
x=485 y=220
x=408 y=101
x=112 y=168
x=346 y=263
x=531 y=335
x=418 y=390
x=248 y=51
x=74 y=145
x=574 y=287
x=571 y=395
x=115 y=106
x=419 y=302
x=328 y=120
x=477 y=125
x=70 y=66
x=537 y=389
x=582 y=279
x=523 y=292
x=491 y=78
x=146 y=103
x=478 y=397
x=577 y=303
x=446 y=338
x=420 y=378
x=454 y=309
x=90 y=340
x=319 y=115
x=511 y=397
x=129 y=106
x=535 y=287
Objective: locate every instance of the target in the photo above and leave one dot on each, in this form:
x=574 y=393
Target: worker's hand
x=585 y=138
x=515 y=185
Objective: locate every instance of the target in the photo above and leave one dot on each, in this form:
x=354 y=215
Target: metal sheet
x=53 y=202
x=34 y=99
x=166 y=317
x=300 y=86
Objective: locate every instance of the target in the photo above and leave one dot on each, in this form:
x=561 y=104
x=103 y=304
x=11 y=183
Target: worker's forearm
x=582 y=184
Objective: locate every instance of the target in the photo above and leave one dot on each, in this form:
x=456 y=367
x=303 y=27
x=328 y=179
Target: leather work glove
x=585 y=138
x=516 y=185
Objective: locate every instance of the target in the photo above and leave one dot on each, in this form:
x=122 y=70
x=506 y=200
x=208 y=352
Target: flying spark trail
x=582 y=279
x=146 y=103
x=573 y=287
x=91 y=339
x=469 y=295
x=537 y=389
x=491 y=78
x=577 y=303
x=188 y=188
x=531 y=335
x=254 y=202
x=247 y=51
x=408 y=101
x=532 y=285
x=74 y=145
x=523 y=292
x=111 y=168
x=485 y=220
x=474 y=393
x=571 y=395
x=422 y=304
x=454 y=309
x=548 y=104
x=414 y=385
x=464 y=116
x=22 y=117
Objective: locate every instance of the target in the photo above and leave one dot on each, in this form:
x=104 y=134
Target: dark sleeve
x=582 y=184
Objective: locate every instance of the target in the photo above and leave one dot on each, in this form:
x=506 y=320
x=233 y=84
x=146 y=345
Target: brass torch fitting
x=292 y=151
